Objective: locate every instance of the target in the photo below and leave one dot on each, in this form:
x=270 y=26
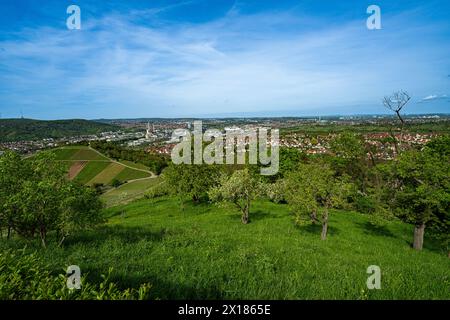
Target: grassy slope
x=100 y=169
x=65 y=153
x=134 y=165
x=106 y=175
x=87 y=154
x=128 y=192
x=130 y=174
x=92 y=169
x=205 y=252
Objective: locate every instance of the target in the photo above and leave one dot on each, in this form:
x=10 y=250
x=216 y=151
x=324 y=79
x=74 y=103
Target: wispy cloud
x=433 y=97
x=118 y=67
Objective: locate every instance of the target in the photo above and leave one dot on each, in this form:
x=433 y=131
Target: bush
x=98 y=187
x=276 y=191
x=23 y=276
x=116 y=183
x=364 y=203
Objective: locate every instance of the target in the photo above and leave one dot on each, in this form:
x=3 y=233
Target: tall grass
x=204 y=252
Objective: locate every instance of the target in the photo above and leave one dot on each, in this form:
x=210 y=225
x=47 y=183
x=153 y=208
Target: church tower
x=148 y=133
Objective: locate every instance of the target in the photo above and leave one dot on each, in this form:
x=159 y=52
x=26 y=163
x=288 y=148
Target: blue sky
x=221 y=57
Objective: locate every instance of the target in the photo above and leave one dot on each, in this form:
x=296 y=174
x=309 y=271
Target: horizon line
x=240 y=117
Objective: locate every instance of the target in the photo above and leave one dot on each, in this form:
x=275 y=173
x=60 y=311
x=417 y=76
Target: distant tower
x=148 y=133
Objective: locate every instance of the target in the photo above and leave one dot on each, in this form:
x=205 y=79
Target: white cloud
x=432 y=97
x=114 y=67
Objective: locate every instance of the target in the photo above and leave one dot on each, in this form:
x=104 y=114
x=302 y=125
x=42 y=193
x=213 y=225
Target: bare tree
x=396 y=102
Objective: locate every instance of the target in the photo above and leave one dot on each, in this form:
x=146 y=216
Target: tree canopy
x=36 y=198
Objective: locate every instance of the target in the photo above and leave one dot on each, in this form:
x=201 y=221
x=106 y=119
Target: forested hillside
x=30 y=129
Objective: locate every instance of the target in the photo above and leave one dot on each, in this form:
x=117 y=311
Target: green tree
x=421 y=187
x=191 y=181
x=396 y=102
x=276 y=191
x=350 y=157
x=312 y=190
x=240 y=189
x=37 y=198
x=13 y=173
x=290 y=159
x=116 y=183
x=81 y=208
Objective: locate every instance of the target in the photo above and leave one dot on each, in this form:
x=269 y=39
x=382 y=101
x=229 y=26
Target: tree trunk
x=419 y=231
x=61 y=241
x=42 y=233
x=9 y=233
x=314 y=217
x=324 y=225
x=244 y=218
x=401 y=130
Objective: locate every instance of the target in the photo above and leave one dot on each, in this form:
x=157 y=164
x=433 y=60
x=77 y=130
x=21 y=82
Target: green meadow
x=129 y=191
x=203 y=252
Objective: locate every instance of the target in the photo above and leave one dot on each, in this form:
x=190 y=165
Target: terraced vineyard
x=89 y=167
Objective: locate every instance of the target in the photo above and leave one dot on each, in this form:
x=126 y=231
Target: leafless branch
x=396 y=102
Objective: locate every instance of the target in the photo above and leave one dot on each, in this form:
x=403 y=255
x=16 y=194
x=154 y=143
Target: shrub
x=276 y=191
x=116 y=183
x=364 y=203
x=23 y=276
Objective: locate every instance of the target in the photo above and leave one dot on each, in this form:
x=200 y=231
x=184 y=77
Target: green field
x=99 y=168
x=78 y=153
x=128 y=192
x=91 y=170
x=65 y=153
x=130 y=174
x=205 y=252
x=87 y=154
x=134 y=165
x=109 y=173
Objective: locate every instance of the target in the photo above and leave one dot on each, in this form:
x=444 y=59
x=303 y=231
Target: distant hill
x=30 y=129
